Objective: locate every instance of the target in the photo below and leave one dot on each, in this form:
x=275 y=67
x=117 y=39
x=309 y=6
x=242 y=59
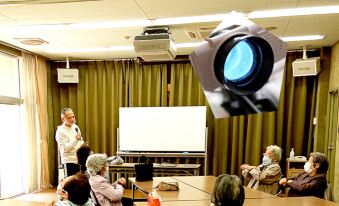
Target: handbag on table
x=168 y=186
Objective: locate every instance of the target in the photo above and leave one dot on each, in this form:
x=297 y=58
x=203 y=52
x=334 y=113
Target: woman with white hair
x=106 y=194
x=266 y=176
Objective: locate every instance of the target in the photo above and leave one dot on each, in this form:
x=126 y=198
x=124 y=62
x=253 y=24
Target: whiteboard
x=162 y=129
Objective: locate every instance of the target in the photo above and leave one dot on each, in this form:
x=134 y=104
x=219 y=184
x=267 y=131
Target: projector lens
x=244 y=64
x=239 y=62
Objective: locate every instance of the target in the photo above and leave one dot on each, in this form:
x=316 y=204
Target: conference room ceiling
x=42 y=18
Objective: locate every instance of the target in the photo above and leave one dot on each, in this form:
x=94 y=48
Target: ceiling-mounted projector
x=155 y=44
x=306 y=67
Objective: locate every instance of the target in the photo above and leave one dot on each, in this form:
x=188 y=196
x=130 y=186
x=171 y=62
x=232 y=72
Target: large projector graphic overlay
x=240 y=67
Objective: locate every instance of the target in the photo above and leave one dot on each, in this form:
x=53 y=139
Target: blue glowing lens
x=239 y=62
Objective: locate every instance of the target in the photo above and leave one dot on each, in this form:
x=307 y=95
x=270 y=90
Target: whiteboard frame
x=199 y=153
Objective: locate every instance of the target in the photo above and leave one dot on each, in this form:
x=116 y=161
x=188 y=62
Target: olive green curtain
x=103 y=87
x=228 y=138
x=107 y=85
x=185 y=89
x=242 y=139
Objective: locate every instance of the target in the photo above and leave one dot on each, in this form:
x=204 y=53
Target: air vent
x=199 y=33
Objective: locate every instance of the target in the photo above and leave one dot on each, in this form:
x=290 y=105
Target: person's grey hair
x=228 y=191
x=321 y=159
x=276 y=150
x=64 y=110
x=95 y=163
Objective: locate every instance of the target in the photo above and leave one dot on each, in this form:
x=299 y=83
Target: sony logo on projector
x=306 y=67
x=66 y=75
x=155 y=44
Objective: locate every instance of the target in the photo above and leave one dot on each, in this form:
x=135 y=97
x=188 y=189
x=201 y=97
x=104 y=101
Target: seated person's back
x=82 y=154
x=228 y=191
x=74 y=190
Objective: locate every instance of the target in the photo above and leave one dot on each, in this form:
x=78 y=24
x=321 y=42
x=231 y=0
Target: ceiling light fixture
x=116 y=24
x=294 y=12
x=94 y=49
x=302 y=38
x=190 y=19
x=188 y=45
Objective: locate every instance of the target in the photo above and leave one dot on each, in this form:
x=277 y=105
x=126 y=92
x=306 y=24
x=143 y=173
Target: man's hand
x=78 y=136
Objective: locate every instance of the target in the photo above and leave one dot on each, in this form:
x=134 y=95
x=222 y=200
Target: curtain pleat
x=40 y=73
x=30 y=110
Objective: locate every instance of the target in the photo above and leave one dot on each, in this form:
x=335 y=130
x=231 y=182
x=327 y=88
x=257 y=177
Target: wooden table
x=190 y=188
x=203 y=183
x=206 y=184
x=256 y=194
x=12 y=202
x=180 y=203
x=289 y=201
x=186 y=192
x=162 y=169
x=286 y=201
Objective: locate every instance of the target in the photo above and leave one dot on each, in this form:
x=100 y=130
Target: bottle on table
x=292 y=153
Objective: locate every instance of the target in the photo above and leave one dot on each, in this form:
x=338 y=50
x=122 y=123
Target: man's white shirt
x=67 y=143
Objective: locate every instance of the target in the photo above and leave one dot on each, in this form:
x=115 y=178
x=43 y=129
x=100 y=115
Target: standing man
x=69 y=140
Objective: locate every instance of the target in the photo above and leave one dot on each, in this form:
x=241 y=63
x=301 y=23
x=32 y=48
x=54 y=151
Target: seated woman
x=313 y=181
x=74 y=190
x=107 y=194
x=228 y=191
x=266 y=176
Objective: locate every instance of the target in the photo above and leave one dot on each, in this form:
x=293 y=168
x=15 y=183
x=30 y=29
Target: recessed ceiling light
x=294 y=12
x=31 y=41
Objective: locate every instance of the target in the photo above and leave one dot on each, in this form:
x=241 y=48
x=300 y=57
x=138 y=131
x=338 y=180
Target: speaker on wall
x=306 y=67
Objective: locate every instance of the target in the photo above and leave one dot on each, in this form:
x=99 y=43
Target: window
x=12 y=151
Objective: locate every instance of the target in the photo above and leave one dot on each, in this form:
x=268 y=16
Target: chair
x=94 y=198
x=328 y=193
x=124 y=201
